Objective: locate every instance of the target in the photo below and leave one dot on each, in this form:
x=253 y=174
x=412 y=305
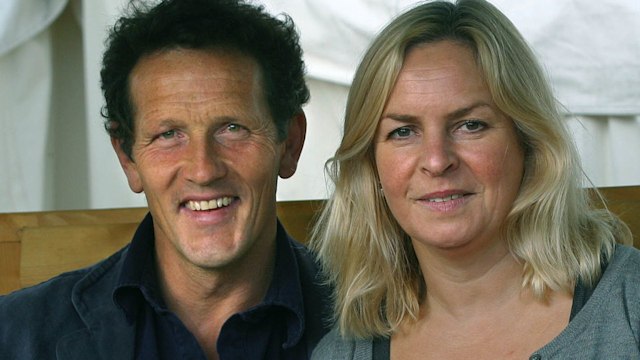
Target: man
x=203 y=106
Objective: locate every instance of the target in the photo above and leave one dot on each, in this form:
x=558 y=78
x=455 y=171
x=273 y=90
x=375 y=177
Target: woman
x=458 y=227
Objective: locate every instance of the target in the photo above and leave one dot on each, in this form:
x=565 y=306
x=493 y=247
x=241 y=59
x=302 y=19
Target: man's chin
x=212 y=250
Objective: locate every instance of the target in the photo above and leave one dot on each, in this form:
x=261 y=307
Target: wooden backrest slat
x=39 y=245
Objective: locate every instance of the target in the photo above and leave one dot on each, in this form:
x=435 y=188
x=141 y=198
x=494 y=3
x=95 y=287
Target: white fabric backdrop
x=55 y=154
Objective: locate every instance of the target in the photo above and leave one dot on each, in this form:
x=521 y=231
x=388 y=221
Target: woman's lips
x=445 y=201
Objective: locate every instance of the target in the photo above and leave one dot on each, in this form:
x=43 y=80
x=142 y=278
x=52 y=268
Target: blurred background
x=55 y=154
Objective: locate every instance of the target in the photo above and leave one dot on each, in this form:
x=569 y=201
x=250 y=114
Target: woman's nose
x=439 y=155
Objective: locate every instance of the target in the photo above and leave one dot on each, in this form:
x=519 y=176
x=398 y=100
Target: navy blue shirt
x=287 y=324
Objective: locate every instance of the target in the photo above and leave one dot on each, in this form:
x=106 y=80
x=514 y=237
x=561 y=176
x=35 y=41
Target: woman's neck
x=462 y=284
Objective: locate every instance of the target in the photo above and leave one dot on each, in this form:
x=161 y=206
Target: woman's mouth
x=446 y=198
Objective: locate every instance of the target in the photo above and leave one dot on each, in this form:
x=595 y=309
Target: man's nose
x=205 y=162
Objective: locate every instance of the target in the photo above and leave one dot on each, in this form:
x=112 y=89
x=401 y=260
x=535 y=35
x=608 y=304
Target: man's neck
x=203 y=299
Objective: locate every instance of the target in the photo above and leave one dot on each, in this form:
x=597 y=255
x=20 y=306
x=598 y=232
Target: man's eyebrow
x=164 y=123
x=176 y=122
x=169 y=122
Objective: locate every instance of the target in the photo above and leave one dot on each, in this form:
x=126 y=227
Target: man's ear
x=128 y=165
x=293 y=145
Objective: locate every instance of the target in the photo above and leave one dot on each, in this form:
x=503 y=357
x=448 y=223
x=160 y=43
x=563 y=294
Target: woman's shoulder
x=626 y=258
x=334 y=346
x=623 y=271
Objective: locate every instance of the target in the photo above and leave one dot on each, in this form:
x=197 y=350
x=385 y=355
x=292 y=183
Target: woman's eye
x=472 y=125
x=401 y=132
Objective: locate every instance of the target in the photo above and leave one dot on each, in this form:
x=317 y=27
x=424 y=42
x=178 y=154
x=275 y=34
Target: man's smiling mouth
x=209 y=205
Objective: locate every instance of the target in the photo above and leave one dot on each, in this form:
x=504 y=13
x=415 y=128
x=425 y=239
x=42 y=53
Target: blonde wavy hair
x=553 y=228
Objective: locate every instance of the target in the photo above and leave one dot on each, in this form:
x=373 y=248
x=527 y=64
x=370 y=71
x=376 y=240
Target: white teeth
x=209 y=205
x=448 y=198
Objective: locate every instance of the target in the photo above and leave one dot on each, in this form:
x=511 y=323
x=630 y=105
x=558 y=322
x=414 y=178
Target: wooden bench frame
x=36 y=246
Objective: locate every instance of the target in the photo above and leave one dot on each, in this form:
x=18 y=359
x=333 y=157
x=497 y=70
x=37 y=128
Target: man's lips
x=203 y=205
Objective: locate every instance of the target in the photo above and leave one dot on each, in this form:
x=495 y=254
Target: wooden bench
x=36 y=246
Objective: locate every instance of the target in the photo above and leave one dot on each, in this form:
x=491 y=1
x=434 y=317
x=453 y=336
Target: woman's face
x=449 y=161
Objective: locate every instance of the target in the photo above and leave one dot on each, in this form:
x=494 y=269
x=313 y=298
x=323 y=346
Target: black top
x=277 y=328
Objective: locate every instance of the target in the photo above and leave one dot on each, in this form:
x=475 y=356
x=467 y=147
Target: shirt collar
x=138 y=283
x=285 y=290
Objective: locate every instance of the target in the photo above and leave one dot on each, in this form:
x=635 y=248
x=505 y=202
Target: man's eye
x=168 y=134
x=232 y=132
x=234 y=128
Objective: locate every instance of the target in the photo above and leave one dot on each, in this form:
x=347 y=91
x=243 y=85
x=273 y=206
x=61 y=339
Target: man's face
x=207 y=157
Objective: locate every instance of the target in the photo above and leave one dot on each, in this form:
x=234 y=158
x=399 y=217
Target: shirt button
x=535 y=357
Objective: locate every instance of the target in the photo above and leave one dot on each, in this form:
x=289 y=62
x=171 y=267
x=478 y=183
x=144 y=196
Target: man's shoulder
x=316 y=294
x=35 y=319
x=302 y=252
x=61 y=284
x=52 y=301
x=308 y=267
x=39 y=295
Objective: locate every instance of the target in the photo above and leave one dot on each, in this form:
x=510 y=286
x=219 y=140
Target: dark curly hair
x=202 y=24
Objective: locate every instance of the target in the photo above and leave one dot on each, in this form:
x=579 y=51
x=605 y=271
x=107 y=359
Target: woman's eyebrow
x=399 y=117
x=466 y=110
x=456 y=114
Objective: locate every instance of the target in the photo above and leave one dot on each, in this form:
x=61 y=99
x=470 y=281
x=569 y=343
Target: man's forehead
x=201 y=63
